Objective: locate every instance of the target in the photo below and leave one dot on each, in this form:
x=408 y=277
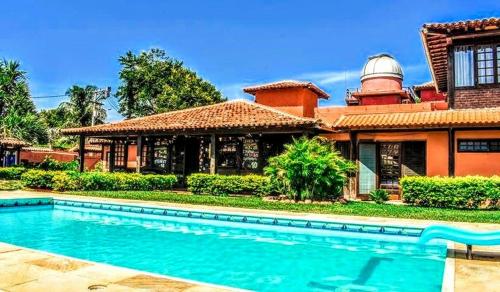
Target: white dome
x=380 y=66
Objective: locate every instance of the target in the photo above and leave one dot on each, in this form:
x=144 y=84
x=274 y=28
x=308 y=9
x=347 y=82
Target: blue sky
x=230 y=43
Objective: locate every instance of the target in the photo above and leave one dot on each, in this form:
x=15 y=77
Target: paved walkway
x=480 y=274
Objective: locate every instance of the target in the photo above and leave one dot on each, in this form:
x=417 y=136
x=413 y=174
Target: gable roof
x=287 y=84
x=238 y=114
x=488 y=117
x=436 y=39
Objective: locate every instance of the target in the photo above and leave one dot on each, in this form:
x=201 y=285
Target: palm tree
x=85 y=105
x=12 y=84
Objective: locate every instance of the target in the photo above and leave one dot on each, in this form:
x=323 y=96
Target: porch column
x=213 y=154
x=125 y=154
x=138 y=158
x=112 y=150
x=451 y=152
x=81 y=150
x=353 y=146
x=18 y=156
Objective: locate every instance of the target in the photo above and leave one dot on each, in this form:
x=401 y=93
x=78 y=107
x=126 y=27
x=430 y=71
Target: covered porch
x=235 y=137
x=184 y=154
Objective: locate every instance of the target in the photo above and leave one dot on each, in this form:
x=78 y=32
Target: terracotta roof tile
x=287 y=84
x=11 y=141
x=237 y=114
x=426 y=85
x=464 y=24
x=419 y=120
x=38 y=149
x=435 y=39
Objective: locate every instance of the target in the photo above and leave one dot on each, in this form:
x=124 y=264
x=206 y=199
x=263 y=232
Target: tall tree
x=85 y=106
x=152 y=82
x=18 y=116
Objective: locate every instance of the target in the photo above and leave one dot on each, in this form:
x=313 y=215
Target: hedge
x=97 y=181
x=223 y=185
x=469 y=192
x=11 y=173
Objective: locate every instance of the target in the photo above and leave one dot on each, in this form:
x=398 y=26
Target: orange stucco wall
x=297 y=101
x=486 y=164
x=436 y=147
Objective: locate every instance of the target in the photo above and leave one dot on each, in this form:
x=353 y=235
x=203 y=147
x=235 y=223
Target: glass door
x=390 y=166
x=367 y=168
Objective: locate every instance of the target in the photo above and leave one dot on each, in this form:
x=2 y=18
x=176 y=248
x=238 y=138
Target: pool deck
x=29 y=270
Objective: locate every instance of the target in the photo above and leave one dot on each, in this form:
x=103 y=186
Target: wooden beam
x=138 y=158
x=81 y=151
x=213 y=154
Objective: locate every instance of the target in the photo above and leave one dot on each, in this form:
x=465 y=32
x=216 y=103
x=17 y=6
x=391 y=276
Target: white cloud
x=330 y=77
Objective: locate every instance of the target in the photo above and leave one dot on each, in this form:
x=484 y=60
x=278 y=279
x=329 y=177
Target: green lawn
x=352 y=208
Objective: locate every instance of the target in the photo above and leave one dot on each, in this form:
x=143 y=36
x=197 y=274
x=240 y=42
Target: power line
x=49 y=96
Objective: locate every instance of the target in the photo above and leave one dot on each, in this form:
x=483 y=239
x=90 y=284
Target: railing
x=350 y=99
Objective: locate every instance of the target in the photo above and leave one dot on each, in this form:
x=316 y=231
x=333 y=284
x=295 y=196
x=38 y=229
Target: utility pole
x=107 y=92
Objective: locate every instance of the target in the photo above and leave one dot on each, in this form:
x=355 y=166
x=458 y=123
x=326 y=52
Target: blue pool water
x=241 y=255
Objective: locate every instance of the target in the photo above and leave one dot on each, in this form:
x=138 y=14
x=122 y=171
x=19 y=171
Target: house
x=449 y=126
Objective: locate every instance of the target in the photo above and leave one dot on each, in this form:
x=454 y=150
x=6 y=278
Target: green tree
x=152 y=82
x=310 y=169
x=18 y=116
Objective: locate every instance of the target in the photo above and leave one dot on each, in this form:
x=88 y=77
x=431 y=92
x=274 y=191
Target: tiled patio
x=27 y=270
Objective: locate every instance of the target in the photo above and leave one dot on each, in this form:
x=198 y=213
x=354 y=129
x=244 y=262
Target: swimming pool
x=248 y=252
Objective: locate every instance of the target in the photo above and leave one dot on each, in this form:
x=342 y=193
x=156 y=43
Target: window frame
x=496 y=65
x=487 y=140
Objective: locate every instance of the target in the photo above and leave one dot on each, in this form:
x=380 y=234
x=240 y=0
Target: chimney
x=299 y=98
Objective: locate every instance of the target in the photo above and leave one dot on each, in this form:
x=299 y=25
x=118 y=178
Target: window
x=464 y=66
x=485 y=68
x=476 y=65
x=490 y=145
x=228 y=152
x=119 y=154
x=344 y=148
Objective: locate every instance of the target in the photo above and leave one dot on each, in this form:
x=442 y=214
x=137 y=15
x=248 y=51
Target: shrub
x=310 y=169
x=470 y=192
x=223 y=185
x=11 y=173
x=96 y=181
x=65 y=181
x=90 y=181
x=379 y=196
x=50 y=163
x=38 y=179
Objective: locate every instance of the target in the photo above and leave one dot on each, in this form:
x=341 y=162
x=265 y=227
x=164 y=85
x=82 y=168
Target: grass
x=351 y=208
